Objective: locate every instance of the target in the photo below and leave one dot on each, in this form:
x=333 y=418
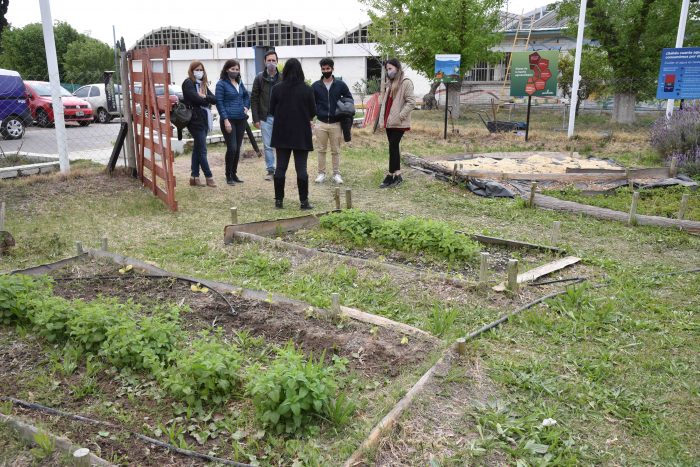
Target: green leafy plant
x=410 y=234
x=89 y=326
x=441 y=319
x=292 y=392
x=145 y=343
x=50 y=316
x=45 y=445
x=208 y=372
x=16 y=294
x=340 y=409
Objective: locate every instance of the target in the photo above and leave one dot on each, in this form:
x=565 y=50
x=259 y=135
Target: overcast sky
x=215 y=19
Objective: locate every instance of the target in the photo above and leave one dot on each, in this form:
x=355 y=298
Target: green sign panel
x=534 y=73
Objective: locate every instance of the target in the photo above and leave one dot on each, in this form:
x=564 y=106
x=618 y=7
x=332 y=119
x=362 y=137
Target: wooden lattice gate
x=151 y=122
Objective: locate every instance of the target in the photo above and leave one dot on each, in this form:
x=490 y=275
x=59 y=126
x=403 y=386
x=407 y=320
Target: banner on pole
x=447 y=68
x=679 y=75
x=534 y=73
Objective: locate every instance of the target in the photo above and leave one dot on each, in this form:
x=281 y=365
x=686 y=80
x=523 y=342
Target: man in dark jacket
x=260 y=105
x=327 y=91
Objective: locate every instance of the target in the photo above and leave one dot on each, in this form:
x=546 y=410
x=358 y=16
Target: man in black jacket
x=327 y=91
x=260 y=105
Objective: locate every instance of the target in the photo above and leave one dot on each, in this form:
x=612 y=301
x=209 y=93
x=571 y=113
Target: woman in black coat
x=293 y=106
x=197 y=96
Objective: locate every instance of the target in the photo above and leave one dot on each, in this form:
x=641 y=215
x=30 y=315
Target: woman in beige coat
x=398 y=102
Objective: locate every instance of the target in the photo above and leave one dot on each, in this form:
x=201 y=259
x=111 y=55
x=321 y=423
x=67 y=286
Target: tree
x=23 y=49
x=416 y=30
x=632 y=34
x=595 y=74
x=4 y=4
x=86 y=59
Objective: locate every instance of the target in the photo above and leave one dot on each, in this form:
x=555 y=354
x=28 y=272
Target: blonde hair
x=190 y=74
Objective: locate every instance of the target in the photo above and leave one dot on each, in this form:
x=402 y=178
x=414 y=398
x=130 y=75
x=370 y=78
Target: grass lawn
x=614 y=361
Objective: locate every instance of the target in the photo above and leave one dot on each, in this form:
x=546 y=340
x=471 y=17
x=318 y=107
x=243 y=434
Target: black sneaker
x=398 y=180
x=278 y=203
x=305 y=205
x=388 y=180
x=230 y=181
x=236 y=179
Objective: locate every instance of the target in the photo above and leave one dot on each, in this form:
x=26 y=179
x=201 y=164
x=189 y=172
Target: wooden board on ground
x=273 y=227
x=532 y=274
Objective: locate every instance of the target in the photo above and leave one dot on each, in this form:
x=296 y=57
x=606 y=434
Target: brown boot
x=211 y=182
x=195 y=181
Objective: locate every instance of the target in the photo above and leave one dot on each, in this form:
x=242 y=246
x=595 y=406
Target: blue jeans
x=199 y=153
x=266 y=129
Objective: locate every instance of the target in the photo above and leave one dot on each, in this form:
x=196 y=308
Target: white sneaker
x=321 y=178
x=337 y=179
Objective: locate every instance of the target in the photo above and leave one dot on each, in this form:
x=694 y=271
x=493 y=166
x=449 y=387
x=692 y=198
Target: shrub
x=16 y=294
x=292 y=392
x=411 y=234
x=143 y=344
x=679 y=137
x=207 y=372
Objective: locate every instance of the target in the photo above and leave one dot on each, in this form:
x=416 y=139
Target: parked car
x=14 y=105
x=74 y=109
x=97 y=97
x=160 y=91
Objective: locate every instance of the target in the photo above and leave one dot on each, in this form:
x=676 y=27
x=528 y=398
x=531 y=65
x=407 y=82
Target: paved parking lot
x=94 y=142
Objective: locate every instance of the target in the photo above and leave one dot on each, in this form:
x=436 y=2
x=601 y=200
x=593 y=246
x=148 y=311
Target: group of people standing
x=283 y=108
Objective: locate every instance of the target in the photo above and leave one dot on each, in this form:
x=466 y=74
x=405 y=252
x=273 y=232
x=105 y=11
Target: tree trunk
x=623 y=111
x=429 y=101
x=453 y=98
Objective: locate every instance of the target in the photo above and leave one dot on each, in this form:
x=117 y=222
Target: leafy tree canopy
x=86 y=59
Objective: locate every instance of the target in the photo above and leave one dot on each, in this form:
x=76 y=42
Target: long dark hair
x=292 y=72
x=228 y=64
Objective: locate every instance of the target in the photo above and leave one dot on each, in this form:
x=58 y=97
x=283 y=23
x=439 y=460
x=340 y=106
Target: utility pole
x=577 y=68
x=55 y=81
x=679 y=43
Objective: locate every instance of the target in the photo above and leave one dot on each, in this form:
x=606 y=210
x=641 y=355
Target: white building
x=355 y=57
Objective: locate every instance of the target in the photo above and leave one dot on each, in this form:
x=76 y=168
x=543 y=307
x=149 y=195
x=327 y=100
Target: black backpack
x=180 y=116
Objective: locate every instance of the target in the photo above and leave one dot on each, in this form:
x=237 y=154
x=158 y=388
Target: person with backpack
x=398 y=102
x=327 y=92
x=232 y=102
x=293 y=108
x=260 y=102
x=198 y=97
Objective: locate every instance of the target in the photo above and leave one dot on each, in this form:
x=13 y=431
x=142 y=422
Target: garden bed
x=17 y=165
x=374 y=365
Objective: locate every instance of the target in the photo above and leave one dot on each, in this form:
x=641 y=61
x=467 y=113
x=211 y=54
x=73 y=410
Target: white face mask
x=198 y=74
x=391 y=74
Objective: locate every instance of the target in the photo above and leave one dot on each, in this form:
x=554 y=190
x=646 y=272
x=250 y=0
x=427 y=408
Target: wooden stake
x=335 y=305
x=348 y=198
x=104 y=244
x=633 y=209
x=81 y=457
x=556 y=231
x=513 y=275
x=2 y=216
x=336 y=197
x=454 y=173
x=483 y=267
x=681 y=211
x=673 y=169
x=533 y=188
x=461 y=346
x=234 y=216
x=79 y=248
x=630 y=182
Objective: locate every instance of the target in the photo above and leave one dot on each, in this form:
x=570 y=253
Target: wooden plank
x=651 y=172
x=385 y=322
x=274 y=227
x=507 y=242
x=545 y=269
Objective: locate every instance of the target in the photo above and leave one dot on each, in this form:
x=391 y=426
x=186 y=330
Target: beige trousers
x=328 y=133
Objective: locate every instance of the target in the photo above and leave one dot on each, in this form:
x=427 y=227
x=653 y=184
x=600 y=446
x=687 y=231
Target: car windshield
x=44 y=90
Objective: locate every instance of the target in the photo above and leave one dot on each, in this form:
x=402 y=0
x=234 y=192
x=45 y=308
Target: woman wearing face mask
x=293 y=107
x=198 y=97
x=232 y=102
x=398 y=102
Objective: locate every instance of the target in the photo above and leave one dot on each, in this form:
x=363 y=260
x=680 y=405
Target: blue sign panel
x=679 y=77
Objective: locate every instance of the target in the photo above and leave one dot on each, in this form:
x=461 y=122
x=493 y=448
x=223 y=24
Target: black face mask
x=327 y=74
x=233 y=74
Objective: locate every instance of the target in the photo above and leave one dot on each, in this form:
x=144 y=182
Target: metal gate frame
x=155 y=169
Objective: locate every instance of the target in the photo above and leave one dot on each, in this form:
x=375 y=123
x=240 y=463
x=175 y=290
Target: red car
x=74 y=108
